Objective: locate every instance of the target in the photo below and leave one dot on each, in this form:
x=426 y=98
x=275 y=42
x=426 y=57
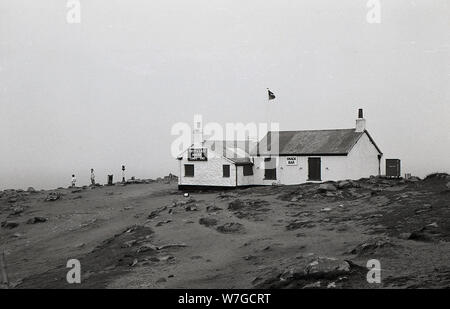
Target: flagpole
x=267 y=119
x=270 y=96
x=267 y=111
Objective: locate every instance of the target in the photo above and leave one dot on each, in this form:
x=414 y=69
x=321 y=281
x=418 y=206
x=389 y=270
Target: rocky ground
x=149 y=235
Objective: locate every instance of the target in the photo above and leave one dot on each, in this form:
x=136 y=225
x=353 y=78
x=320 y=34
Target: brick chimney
x=360 y=122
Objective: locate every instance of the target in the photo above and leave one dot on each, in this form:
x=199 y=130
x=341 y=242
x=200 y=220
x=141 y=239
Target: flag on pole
x=271 y=95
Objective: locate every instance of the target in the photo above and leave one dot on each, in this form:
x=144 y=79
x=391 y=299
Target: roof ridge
x=227 y=140
x=312 y=130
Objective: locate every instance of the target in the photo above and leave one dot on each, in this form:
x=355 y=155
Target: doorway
x=314 y=168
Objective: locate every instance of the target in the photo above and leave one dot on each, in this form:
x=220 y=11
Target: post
x=3 y=270
x=268 y=111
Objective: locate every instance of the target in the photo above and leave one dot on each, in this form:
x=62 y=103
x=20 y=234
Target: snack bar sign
x=198 y=154
x=291 y=161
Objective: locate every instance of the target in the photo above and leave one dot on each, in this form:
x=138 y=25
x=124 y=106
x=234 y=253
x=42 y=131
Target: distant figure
x=74 y=180
x=92 y=177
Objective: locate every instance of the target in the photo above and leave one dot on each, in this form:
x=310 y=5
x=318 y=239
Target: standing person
x=92 y=177
x=74 y=180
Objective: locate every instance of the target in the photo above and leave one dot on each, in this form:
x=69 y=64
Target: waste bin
x=110 y=180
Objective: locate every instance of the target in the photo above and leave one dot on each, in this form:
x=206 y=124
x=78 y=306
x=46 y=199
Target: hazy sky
x=106 y=91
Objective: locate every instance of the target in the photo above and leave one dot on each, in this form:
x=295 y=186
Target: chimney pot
x=360 y=122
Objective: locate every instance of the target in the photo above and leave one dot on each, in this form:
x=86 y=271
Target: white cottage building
x=298 y=157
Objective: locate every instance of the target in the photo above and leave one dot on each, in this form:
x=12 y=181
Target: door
x=314 y=169
x=270 y=169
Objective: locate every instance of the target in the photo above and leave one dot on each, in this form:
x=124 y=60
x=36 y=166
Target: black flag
x=271 y=95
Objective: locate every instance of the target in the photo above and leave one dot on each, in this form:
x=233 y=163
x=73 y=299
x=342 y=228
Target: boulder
x=405 y=235
x=177 y=203
x=191 y=207
x=31 y=190
x=129 y=243
x=371 y=246
x=247 y=205
x=35 y=220
x=344 y=184
x=156 y=212
x=53 y=196
x=444 y=176
x=326 y=267
x=207 y=221
x=212 y=208
x=12 y=199
x=17 y=210
x=166 y=258
x=317 y=268
x=170 y=178
x=230 y=228
x=161 y=223
x=9 y=224
x=430 y=232
x=297 y=224
x=324 y=187
x=331 y=193
x=174 y=245
x=236 y=205
x=413 y=179
x=147 y=247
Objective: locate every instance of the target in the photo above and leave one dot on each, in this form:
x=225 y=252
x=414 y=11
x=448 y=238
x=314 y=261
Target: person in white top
x=92 y=177
x=74 y=180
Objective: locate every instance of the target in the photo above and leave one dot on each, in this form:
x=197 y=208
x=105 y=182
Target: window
x=226 y=170
x=270 y=169
x=189 y=170
x=248 y=170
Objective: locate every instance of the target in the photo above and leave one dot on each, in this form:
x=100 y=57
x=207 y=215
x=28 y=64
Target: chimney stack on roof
x=360 y=122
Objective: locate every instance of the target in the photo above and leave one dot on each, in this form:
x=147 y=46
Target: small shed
x=393 y=168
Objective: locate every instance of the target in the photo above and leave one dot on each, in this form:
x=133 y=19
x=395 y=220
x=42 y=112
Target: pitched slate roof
x=241 y=161
x=235 y=151
x=313 y=142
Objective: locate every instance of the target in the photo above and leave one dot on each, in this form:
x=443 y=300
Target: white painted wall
x=207 y=173
x=258 y=171
x=362 y=161
x=245 y=180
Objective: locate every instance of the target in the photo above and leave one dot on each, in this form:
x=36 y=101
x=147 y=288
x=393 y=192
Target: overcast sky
x=106 y=91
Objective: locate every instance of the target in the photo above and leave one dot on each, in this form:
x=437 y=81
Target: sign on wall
x=291 y=161
x=197 y=154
